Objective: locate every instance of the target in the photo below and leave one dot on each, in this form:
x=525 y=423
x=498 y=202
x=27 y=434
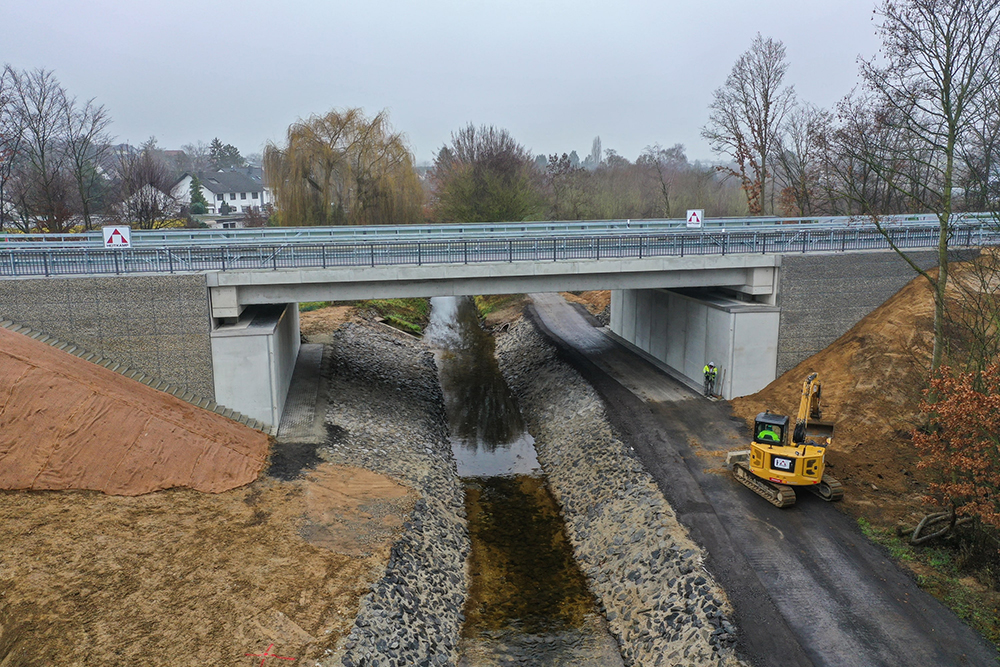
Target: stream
x=528 y=601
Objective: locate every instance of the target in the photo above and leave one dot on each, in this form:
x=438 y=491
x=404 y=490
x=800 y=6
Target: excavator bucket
x=820 y=432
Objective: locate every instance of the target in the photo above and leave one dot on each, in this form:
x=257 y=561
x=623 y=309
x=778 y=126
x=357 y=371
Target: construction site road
x=807 y=587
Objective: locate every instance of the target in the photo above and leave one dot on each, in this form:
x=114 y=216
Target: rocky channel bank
x=387 y=415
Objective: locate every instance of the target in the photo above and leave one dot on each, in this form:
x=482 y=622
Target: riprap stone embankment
x=646 y=572
x=386 y=414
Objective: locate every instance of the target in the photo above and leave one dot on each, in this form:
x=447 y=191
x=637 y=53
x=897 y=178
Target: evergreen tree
x=199 y=205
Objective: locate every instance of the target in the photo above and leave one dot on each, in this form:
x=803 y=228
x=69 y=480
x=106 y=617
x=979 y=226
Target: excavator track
x=778 y=495
x=829 y=489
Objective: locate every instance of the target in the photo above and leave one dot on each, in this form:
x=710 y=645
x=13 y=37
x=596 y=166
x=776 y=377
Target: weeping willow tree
x=343 y=168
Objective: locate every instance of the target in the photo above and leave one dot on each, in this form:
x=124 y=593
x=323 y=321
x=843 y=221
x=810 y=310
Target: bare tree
x=45 y=185
x=666 y=164
x=143 y=186
x=939 y=60
x=11 y=140
x=88 y=147
x=799 y=157
x=747 y=112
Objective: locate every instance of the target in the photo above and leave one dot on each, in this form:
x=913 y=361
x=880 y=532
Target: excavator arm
x=808 y=407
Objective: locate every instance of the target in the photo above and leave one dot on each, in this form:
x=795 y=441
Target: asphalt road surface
x=807 y=587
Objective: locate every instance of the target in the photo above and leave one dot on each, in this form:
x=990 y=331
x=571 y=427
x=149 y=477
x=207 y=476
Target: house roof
x=219 y=182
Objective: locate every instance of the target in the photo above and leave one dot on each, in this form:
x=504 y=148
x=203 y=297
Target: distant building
x=242 y=189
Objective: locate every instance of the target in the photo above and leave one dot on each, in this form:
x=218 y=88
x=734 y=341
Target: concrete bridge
x=215 y=312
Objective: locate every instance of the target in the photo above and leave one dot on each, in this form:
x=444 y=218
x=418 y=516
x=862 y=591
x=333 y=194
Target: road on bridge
x=807 y=587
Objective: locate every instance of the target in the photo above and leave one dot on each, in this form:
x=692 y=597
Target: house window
x=232 y=196
x=229 y=225
x=254 y=195
x=243 y=195
x=245 y=209
x=220 y=197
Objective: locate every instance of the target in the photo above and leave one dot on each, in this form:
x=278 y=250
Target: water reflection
x=487 y=431
x=528 y=601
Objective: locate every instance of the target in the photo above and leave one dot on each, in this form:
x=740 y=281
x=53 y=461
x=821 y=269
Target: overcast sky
x=555 y=73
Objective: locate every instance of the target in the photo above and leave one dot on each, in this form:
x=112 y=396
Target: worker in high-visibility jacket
x=710 y=374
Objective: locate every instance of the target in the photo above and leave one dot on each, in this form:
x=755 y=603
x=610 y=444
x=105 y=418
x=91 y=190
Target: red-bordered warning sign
x=696 y=217
x=117 y=237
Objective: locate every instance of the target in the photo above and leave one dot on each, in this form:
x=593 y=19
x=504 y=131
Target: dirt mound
x=872 y=377
x=68 y=424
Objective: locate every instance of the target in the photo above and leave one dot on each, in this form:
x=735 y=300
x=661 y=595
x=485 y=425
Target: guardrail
x=25 y=261
x=305 y=235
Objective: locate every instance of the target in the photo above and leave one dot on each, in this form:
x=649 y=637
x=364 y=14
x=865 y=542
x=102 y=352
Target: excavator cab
x=770 y=429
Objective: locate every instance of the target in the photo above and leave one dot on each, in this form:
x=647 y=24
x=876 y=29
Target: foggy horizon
x=555 y=75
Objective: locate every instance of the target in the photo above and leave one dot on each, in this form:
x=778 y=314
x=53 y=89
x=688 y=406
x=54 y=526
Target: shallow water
x=528 y=601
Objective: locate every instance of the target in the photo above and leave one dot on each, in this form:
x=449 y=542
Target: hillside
x=873 y=377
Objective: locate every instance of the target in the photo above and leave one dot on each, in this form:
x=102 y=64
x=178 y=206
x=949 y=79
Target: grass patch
x=938 y=573
x=409 y=315
x=307 y=306
x=485 y=305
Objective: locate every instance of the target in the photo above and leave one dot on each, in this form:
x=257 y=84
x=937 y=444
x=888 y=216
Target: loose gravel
x=386 y=414
x=646 y=572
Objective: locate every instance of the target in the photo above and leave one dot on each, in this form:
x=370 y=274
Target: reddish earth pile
x=873 y=377
x=68 y=424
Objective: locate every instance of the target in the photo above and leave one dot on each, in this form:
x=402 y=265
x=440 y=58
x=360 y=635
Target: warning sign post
x=695 y=217
x=117 y=237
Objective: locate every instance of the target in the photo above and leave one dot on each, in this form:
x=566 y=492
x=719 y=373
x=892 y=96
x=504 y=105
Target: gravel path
x=647 y=574
x=386 y=413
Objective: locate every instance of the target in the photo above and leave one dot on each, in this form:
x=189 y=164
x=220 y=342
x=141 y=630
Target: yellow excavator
x=773 y=465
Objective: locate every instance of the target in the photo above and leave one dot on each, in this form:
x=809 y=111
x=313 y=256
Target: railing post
x=274 y=258
x=804 y=235
x=598 y=247
x=725 y=237
x=117 y=270
x=843 y=240
x=223 y=258
x=510 y=250
x=322 y=250
x=465 y=252
x=372 y=246
x=682 y=245
x=170 y=259
x=45 y=262
x=553 y=250
x=642 y=240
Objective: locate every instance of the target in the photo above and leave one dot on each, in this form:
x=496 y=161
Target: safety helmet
x=711 y=365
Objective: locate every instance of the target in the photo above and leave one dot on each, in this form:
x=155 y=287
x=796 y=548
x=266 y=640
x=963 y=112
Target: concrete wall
x=684 y=330
x=159 y=325
x=822 y=296
x=254 y=360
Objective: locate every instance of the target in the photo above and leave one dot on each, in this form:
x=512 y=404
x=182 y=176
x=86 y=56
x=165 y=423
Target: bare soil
x=873 y=379
x=175 y=576
x=68 y=424
x=181 y=577
x=596 y=301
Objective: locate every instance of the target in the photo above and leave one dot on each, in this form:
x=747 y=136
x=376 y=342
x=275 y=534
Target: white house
x=242 y=189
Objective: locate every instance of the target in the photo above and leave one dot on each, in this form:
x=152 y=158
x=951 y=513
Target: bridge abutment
x=684 y=329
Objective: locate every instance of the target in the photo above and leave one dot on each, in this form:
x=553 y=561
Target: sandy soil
x=187 y=578
x=177 y=576
x=318 y=325
x=595 y=302
x=873 y=377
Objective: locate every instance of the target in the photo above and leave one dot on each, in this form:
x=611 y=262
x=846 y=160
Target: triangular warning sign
x=694 y=217
x=116 y=237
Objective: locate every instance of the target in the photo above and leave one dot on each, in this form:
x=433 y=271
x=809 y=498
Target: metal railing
x=373 y=234
x=27 y=261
